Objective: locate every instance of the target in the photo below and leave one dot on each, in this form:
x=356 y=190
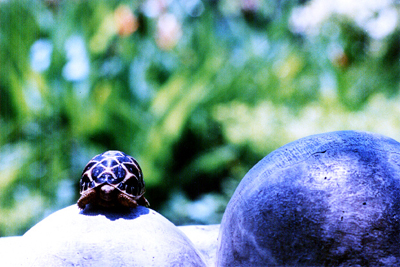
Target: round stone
x=100 y=237
x=331 y=199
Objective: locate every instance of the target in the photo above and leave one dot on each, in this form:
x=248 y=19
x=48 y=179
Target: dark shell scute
x=113 y=163
x=88 y=166
x=115 y=180
x=121 y=186
x=113 y=153
x=91 y=184
x=98 y=158
x=132 y=169
x=105 y=177
x=85 y=179
x=133 y=186
x=83 y=187
x=130 y=189
x=124 y=159
x=84 y=182
x=111 y=178
x=109 y=163
x=119 y=172
x=97 y=171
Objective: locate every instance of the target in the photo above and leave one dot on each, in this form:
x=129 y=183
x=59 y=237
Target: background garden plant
x=197 y=91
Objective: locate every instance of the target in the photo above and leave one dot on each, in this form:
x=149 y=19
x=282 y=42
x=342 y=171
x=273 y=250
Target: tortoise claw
x=143 y=202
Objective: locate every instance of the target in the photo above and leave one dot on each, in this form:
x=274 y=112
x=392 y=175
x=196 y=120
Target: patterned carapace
x=116 y=169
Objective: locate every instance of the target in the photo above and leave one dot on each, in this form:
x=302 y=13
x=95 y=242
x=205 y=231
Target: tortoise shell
x=112 y=172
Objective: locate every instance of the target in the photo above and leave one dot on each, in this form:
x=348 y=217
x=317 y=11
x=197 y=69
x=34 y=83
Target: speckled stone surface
x=331 y=199
x=100 y=237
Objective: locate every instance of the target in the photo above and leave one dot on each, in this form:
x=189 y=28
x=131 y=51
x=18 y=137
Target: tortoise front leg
x=127 y=201
x=87 y=197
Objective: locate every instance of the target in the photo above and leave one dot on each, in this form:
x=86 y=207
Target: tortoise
x=331 y=199
x=112 y=178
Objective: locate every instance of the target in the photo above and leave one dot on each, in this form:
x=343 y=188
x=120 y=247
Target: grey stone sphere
x=330 y=199
x=103 y=237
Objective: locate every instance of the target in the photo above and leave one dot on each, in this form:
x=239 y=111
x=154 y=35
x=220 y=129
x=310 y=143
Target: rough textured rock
x=205 y=239
x=325 y=200
x=97 y=237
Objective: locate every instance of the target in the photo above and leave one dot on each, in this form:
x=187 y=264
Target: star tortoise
x=112 y=178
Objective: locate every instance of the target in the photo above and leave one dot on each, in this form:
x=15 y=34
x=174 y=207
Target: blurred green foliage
x=197 y=91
